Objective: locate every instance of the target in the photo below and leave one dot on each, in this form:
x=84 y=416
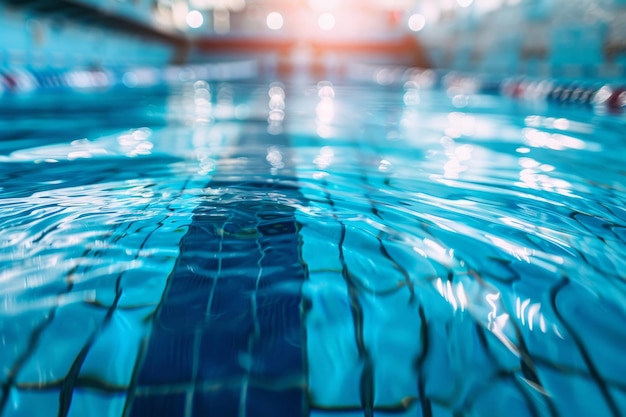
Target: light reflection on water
x=485 y=246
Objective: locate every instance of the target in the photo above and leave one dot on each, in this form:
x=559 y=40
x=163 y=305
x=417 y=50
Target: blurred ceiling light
x=194 y=19
x=393 y=4
x=323 y=4
x=234 y=5
x=417 y=22
x=464 y=3
x=275 y=21
x=326 y=21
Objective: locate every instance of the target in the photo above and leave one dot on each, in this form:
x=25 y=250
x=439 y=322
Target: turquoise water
x=243 y=249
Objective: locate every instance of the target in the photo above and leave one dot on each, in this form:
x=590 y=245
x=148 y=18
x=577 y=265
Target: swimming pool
x=319 y=249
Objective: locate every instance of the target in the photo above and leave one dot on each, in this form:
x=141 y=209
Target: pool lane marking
x=227 y=141
x=243 y=186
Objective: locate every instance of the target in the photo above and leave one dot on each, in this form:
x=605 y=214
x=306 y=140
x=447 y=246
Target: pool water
x=310 y=249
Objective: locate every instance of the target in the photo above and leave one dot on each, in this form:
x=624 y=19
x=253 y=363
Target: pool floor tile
x=222 y=354
x=113 y=355
x=60 y=343
x=334 y=369
x=390 y=326
x=14 y=343
x=607 y=318
x=168 y=359
x=505 y=399
x=320 y=248
x=575 y=395
x=158 y=405
x=223 y=402
x=441 y=411
x=144 y=287
x=93 y=403
x=231 y=304
x=262 y=402
x=24 y=403
x=278 y=352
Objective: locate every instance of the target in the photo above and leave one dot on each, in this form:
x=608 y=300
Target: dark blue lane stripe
x=241 y=255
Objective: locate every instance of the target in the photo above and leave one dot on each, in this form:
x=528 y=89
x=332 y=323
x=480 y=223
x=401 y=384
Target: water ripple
x=483 y=251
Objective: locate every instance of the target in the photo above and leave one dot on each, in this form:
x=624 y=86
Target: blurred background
x=558 y=38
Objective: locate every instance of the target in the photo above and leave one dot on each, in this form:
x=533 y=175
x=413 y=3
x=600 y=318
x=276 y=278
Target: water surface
x=260 y=249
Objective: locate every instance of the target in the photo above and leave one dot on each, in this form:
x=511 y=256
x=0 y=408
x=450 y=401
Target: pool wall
x=549 y=38
x=34 y=39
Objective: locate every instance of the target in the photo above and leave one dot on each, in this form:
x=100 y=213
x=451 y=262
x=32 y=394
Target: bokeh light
x=417 y=22
x=326 y=21
x=275 y=21
x=194 y=19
